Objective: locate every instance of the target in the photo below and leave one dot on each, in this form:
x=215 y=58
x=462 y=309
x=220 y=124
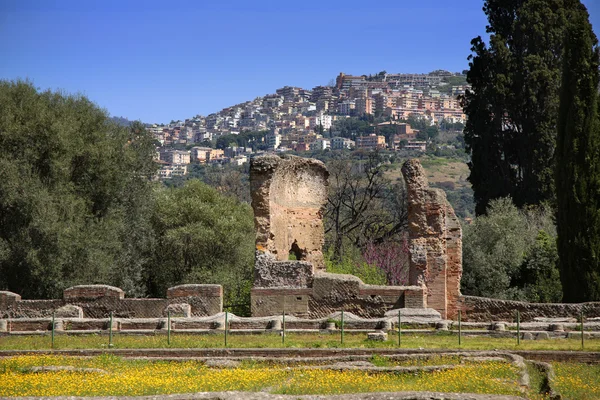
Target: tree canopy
x=578 y=166
x=512 y=107
x=71 y=183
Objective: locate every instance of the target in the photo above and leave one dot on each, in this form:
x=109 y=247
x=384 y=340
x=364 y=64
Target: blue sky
x=163 y=60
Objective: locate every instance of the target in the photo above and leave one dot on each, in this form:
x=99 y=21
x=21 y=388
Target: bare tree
x=363 y=206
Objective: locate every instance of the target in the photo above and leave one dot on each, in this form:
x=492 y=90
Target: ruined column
x=435 y=241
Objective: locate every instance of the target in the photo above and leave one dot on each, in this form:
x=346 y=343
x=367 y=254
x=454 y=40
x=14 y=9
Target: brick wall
x=484 y=309
x=98 y=301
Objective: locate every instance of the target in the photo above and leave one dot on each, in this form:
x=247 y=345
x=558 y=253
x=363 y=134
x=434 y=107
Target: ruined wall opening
x=296 y=253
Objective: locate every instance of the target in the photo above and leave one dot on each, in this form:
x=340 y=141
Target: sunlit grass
x=122 y=377
x=293 y=340
x=577 y=381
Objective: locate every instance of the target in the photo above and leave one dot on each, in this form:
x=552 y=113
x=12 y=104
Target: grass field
x=293 y=340
x=111 y=375
x=121 y=377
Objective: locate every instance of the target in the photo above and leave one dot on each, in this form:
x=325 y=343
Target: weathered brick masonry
x=483 y=309
x=288 y=198
x=98 y=301
x=435 y=242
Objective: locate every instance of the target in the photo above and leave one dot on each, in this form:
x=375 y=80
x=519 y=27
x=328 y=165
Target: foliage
x=362 y=205
x=578 y=163
x=202 y=236
x=351 y=128
x=253 y=139
x=429 y=133
x=73 y=187
x=540 y=273
x=353 y=263
x=512 y=107
x=511 y=254
x=392 y=258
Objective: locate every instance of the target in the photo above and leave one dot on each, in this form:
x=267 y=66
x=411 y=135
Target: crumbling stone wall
x=482 y=309
x=288 y=197
x=98 y=301
x=435 y=242
x=322 y=293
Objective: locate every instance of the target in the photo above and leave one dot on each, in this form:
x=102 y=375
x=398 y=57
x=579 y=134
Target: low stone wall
x=485 y=309
x=98 y=301
x=329 y=293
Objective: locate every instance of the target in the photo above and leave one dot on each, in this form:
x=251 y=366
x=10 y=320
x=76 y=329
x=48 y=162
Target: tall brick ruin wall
x=288 y=197
x=98 y=301
x=435 y=242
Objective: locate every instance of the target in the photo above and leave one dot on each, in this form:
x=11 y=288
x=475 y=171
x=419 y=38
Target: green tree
x=511 y=253
x=202 y=237
x=540 y=276
x=578 y=163
x=71 y=182
x=512 y=107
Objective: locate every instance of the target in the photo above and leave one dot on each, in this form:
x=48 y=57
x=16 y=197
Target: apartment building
x=172 y=156
x=340 y=143
x=371 y=142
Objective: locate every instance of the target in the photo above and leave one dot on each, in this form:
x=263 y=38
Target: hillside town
x=299 y=120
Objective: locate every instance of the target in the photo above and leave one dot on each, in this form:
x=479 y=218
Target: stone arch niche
x=288 y=198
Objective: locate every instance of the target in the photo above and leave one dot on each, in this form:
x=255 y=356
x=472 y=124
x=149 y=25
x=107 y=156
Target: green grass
x=126 y=377
x=122 y=377
x=443 y=340
x=577 y=381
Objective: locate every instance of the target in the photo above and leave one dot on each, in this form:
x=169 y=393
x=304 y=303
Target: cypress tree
x=578 y=162
x=511 y=127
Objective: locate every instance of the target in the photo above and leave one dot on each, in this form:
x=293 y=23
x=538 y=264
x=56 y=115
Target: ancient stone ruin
x=98 y=301
x=288 y=198
x=435 y=242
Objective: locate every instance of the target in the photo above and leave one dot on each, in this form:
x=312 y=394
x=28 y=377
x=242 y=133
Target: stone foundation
x=482 y=309
x=98 y=301
x=291 y=286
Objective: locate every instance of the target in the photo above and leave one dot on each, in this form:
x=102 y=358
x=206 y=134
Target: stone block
x=441 y=326
x=92 y=292
x=499 y=326
x=542 y=336
x=526 y=336
x=377 y=336
x=268 y=273
x=415 y=298
x=69 y=311
x=195 y=290
x=273 y=301
x=275 y=324
x=288 y=198
x=435 y=242
x=577 y=335
x=59 y=325
x=557 y=327
x=182 y=310
x=8 y=299
x=3 y=325
x=335 y=286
